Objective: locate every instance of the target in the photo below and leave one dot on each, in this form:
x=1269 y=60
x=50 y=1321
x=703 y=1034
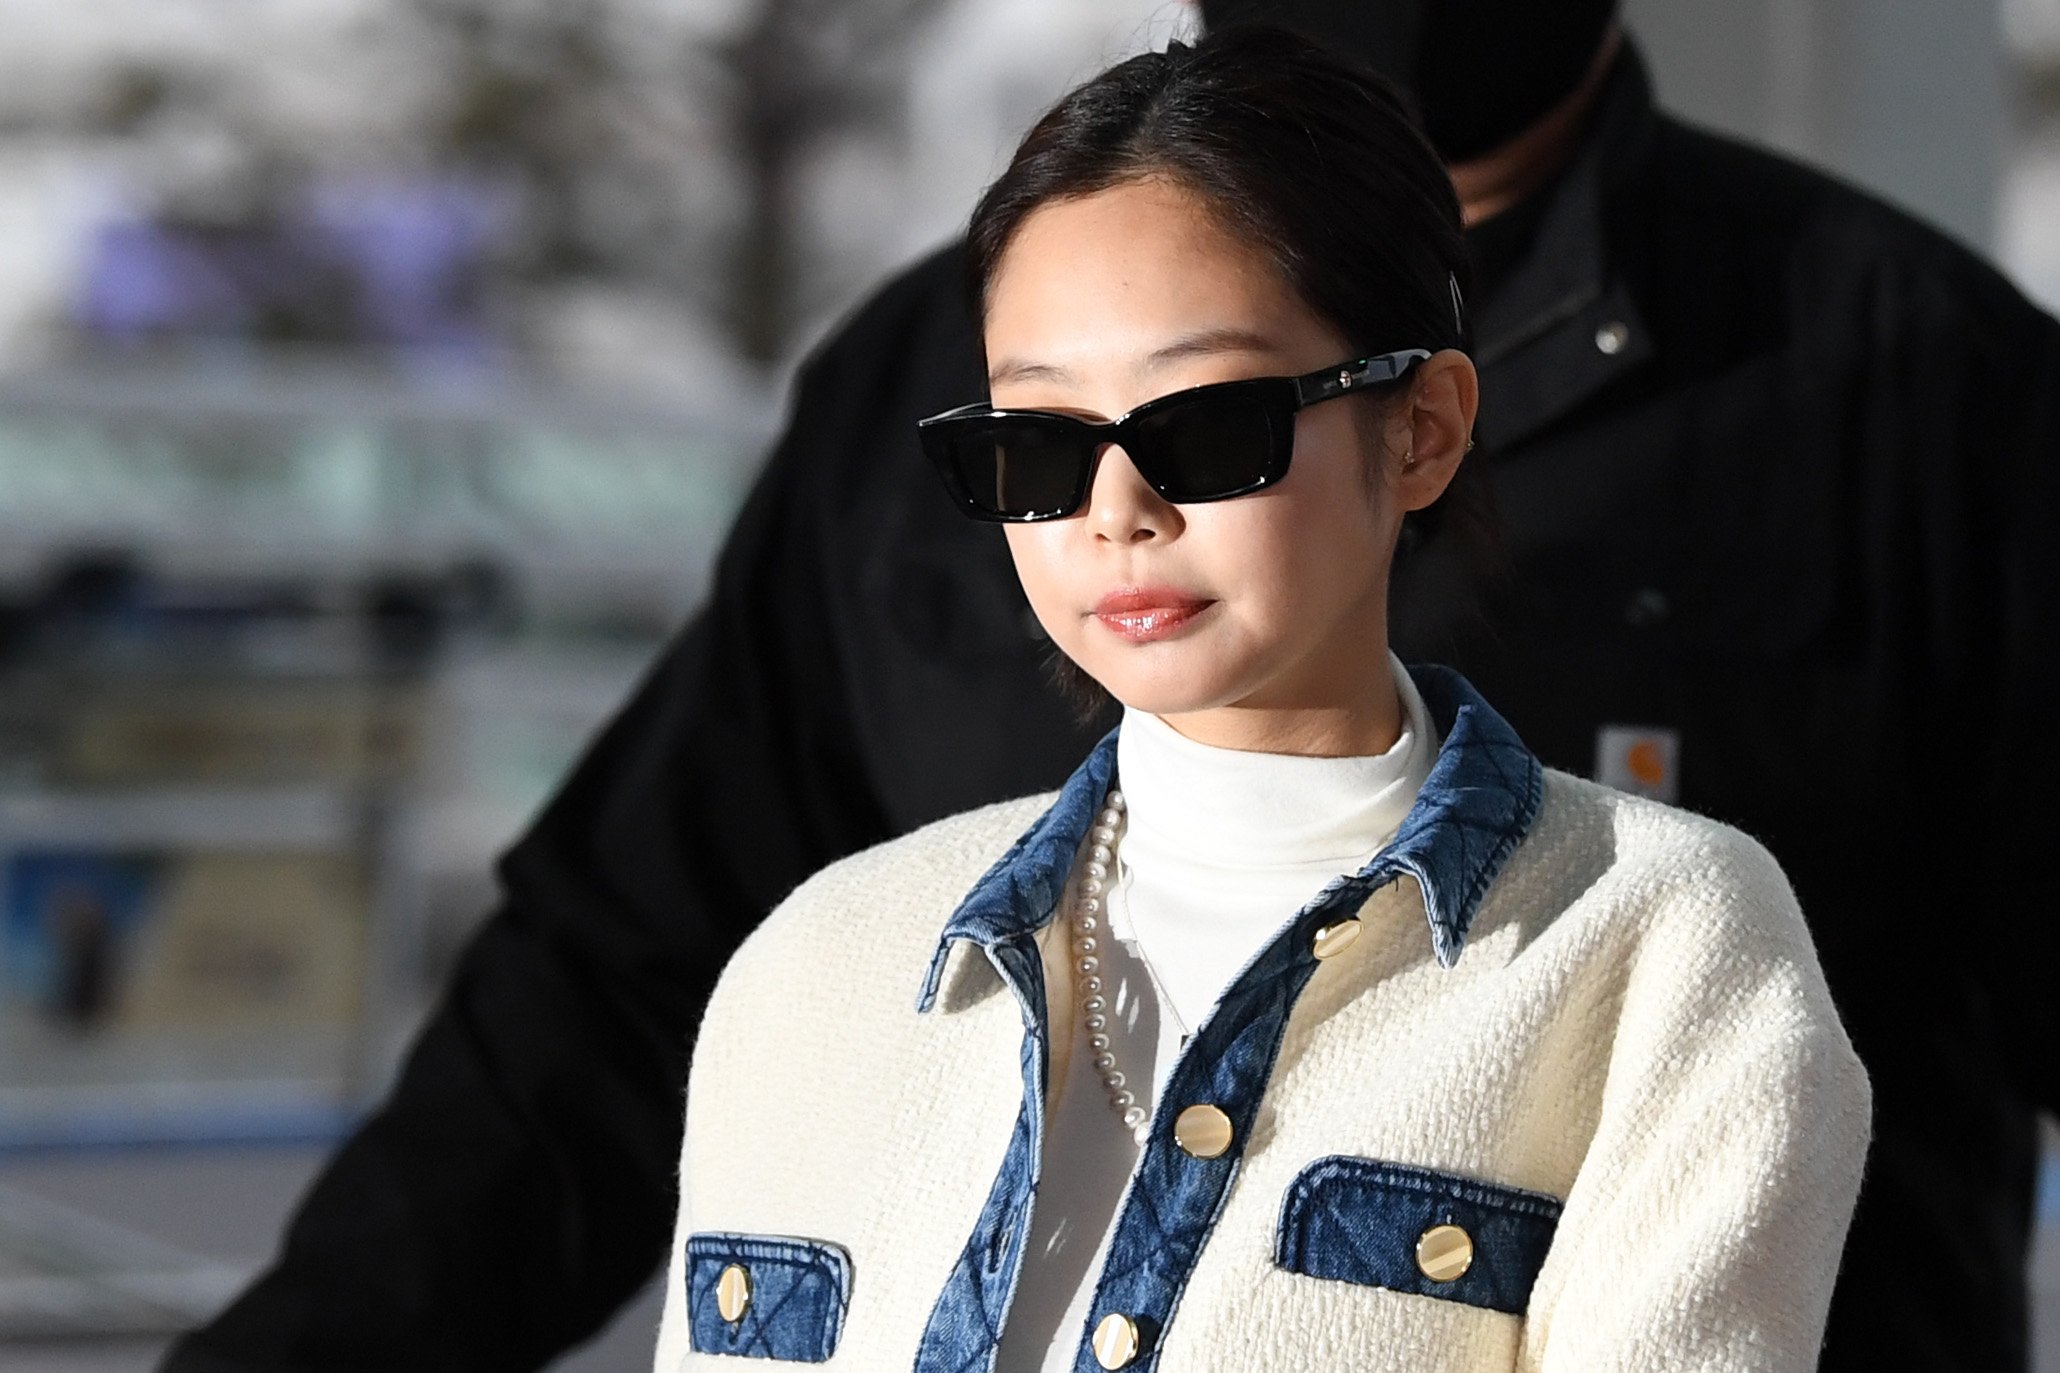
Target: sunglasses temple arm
x=1353 y=376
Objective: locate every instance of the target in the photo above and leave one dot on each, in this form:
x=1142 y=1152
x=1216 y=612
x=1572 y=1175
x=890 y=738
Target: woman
x=1341 y=1034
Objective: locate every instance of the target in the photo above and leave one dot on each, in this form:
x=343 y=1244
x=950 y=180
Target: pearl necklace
x=1089 y=906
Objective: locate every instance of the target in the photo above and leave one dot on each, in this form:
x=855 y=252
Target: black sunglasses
x=1207 y=443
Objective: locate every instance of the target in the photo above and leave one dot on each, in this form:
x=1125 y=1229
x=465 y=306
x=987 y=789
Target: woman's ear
x=1436 y=423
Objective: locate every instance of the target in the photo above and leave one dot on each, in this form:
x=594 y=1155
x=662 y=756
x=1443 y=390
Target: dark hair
x=1308 y=156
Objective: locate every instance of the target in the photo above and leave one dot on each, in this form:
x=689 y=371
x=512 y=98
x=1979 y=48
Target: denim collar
x=1474 y=809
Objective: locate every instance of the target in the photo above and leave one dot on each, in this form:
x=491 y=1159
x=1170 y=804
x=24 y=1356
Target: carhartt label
x=1639 y=759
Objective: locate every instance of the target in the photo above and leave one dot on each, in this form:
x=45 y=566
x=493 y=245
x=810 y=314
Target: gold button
x=1203 y=1131
x=1444 y=1253
x=1333 y=940
x=733 y=1293
x=1115 y=1341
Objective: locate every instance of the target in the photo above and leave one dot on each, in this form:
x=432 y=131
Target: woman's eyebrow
x=1206 y=341
x=1018 y=369
x=1201 y=343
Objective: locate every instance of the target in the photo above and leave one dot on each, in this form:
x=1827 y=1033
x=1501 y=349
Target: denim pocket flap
x=765 y=1296
x=1413 y=1230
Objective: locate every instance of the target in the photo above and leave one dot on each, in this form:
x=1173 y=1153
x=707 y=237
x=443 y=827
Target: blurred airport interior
x=377 y=380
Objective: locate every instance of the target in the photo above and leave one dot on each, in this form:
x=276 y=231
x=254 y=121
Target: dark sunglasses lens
x=1020 y=469
x=1209 y=447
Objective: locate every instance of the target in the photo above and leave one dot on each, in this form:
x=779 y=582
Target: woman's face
x=1255 y=622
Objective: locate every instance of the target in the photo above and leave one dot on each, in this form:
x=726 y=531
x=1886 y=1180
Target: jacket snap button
x=1203 y=1131
x=1115 y=1341
x=1444 y=1253
x=1333 y=940
x=1646 y=608
x=733 y=1293
x=1611 y=338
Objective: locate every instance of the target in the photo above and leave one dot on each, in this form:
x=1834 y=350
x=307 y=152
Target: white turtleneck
x=1219 y=849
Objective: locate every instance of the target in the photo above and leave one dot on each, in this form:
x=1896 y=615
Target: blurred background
x=377 y=379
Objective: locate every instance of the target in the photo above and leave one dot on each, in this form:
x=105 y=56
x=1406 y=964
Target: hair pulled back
x=1308 y=157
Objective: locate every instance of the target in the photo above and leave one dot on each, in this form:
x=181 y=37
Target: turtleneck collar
x=1474 y=809
x=1204 y=807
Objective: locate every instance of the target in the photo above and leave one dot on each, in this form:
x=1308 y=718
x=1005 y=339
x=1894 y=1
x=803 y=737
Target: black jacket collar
x=1565 y=324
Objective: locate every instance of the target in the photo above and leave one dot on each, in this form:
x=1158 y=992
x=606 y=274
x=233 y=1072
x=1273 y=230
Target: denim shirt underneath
x=1479 y=801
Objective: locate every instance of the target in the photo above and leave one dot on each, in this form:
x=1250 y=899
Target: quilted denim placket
x=1174 y=1199
x=1002 y=914
x=964 y=1330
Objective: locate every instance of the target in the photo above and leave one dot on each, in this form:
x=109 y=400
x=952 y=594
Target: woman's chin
x=1159 y=693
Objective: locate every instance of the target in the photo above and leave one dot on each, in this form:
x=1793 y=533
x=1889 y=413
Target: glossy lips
x=1148 y=613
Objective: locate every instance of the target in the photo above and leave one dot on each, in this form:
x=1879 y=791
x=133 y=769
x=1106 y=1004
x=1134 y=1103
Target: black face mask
x=1482 y=71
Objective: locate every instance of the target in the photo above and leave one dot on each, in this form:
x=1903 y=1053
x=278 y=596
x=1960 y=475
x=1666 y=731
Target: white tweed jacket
x=1576 y=1099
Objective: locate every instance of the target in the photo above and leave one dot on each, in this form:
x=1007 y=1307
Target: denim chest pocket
x=766 y=1296
x=1413 y=1230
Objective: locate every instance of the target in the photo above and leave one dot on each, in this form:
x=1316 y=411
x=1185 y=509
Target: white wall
x=1906 y=97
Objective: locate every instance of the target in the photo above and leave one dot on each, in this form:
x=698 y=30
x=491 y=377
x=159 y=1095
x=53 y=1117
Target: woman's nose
x=1121 y=505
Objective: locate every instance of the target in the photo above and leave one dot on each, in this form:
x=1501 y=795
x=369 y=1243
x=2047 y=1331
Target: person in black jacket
x=1778 y=471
